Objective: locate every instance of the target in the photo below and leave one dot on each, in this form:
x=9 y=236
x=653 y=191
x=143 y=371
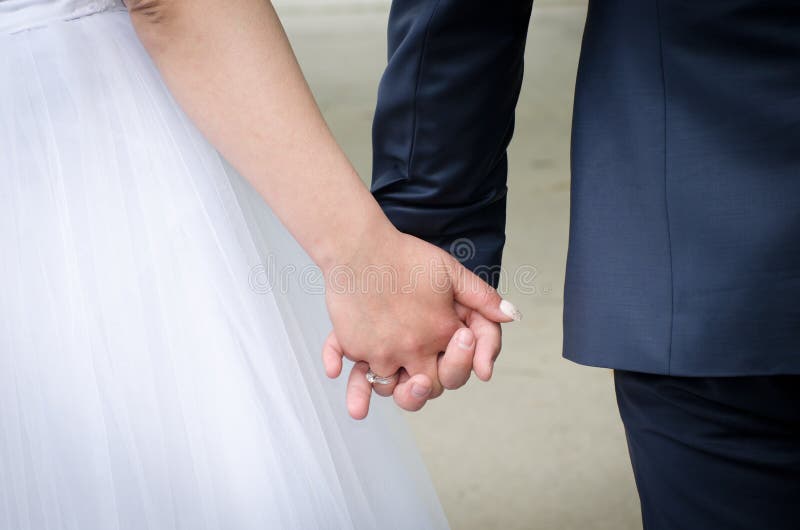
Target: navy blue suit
x=684 y=250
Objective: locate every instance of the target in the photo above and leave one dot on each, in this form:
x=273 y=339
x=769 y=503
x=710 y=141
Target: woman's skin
x=231 y=68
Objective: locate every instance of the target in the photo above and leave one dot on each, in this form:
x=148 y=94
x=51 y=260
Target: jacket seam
x=666 y=198
x=417 y=84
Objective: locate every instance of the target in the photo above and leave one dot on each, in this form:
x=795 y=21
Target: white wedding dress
x=159 y=330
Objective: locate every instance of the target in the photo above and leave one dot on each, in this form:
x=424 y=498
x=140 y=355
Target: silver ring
x=378 y=380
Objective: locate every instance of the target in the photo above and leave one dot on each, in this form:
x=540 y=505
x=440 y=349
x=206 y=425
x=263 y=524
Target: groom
x=683 y=270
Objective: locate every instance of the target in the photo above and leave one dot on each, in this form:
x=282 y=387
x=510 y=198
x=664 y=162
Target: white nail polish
x=510 y=310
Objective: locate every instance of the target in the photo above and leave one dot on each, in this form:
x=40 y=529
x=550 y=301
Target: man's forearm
x=444 y=118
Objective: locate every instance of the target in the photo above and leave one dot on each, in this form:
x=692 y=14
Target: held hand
x=395 y=306
x=472 y=349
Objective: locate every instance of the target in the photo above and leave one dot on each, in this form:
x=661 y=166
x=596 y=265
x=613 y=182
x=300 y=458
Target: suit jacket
x=684 y=250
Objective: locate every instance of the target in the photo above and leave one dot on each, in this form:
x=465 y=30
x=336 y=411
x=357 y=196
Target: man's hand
x=395 y=307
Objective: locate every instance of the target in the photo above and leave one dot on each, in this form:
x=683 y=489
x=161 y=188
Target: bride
x=146 y=380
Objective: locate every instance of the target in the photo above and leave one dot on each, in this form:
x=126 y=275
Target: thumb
x=473 y=292
x=332 y=354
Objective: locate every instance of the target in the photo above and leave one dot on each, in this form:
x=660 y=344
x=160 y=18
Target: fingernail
x=464 y=339
x=419 y=390
x=510 y=310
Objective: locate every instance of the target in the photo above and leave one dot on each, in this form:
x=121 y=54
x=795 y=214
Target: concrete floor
x=541 y=446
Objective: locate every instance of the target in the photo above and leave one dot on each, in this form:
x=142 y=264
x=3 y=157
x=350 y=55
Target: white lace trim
x=96 y=6
x=20 y=15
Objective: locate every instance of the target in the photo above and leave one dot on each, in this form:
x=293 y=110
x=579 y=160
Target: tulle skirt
x=159 y=329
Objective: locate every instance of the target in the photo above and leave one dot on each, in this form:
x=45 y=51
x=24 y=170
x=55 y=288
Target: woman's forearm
x=231 y=68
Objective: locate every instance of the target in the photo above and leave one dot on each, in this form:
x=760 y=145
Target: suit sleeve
x=444 y=118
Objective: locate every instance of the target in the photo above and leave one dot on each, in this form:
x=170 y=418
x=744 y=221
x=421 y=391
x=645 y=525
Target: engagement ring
x=378 y=380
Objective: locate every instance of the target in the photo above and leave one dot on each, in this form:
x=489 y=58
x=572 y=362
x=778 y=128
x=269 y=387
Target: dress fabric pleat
x=159 y=328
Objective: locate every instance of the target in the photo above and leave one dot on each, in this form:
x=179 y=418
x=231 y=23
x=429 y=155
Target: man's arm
x=444 y=118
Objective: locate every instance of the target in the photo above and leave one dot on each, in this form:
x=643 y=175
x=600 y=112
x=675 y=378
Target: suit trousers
x=714 y=453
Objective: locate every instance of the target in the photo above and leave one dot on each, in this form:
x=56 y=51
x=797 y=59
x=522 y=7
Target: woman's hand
x=395 y=306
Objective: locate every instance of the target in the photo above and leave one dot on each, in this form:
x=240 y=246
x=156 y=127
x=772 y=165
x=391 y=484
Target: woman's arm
x=230 y=67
